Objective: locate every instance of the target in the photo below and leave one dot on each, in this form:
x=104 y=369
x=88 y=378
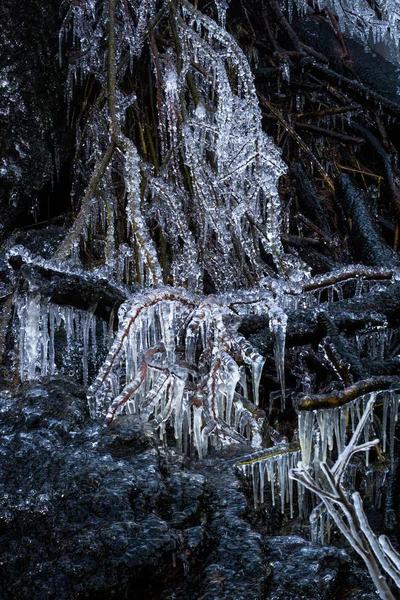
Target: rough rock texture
x=34 y=137
x=371 y=68
x=80 y=506
x=299 y=567
x=91 y=512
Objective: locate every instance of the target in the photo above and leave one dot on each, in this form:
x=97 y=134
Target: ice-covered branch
x=339 y=398
x=349 y=516
x=174 y=361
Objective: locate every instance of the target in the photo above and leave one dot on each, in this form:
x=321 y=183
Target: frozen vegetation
x=376 y=24
x=190 y=205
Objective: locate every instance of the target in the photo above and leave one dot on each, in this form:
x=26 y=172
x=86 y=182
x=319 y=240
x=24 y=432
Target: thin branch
x=301 y=143
x=80 y=223
x=342 y=397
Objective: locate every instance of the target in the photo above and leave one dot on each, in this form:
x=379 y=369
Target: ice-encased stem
x=29 y=309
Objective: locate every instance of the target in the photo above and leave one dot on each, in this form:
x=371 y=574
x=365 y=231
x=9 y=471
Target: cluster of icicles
x=225 y=199
x=179 y=360
x=80 y=335
x=321 y=434
x=321 y=431
x=273 y=466
x=376 y=24
x=172 y=362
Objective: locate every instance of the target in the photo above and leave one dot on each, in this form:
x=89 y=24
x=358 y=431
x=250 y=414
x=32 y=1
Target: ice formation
x=346 y=508
x=210 y=191
x=214 y=184
x=57 y=339
x=322 y=431
x=377 y=23
x=323 y=435
x=172 y=362
x=178 y=358
x=272 y=466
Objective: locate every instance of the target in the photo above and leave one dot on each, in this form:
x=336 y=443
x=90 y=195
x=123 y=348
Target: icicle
x=180 y=401
x=254 y=479
x=278 y=324
x=386 y=401
x=255 y=360
x=51 y=339
x=29 y=313
x=243 y=382
x=44 y=340
x=256 y=372
x=86 y=328
x=343 y=419
x=231 y=379
x=222 y=6
x=394 y=405
x=261 y=467
x=306 y=425
x=366 y=399
x=283 y=475
x=167 y=316
x=197 y=425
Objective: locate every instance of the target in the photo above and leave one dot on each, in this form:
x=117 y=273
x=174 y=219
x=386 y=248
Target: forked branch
x=348 y=513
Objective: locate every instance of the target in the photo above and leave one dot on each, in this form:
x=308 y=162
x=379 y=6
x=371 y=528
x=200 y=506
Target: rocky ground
x=93 y=512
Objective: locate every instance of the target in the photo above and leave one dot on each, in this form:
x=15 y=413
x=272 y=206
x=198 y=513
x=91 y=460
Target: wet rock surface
x=92 y=512
x=302 y=570
x=371 y=67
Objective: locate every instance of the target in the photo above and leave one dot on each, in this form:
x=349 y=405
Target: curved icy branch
x=342 y=397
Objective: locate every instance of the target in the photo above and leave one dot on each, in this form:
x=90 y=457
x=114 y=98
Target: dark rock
x=368 y=245
x=371 y=68
x=34 y=135
x=76 y=512
x=93 y=512
x=235 y=567
x=302 y=570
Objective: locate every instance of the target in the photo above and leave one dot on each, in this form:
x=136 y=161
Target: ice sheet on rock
x=99 y=274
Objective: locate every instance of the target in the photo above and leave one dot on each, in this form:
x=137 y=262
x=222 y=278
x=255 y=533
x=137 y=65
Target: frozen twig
x=151 y=369
x=348 y=513
x=342 y=397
